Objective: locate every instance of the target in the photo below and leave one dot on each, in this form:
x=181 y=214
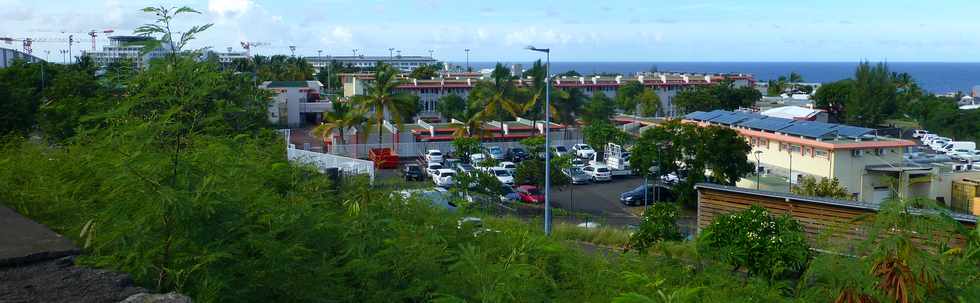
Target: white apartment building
x=128 y=47
x=403 y=63
x=296 y=102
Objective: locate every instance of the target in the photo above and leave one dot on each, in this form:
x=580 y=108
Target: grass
x=604 y=235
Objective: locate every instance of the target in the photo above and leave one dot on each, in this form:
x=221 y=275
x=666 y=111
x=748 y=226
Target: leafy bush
x=659 y=224
x=753 y=239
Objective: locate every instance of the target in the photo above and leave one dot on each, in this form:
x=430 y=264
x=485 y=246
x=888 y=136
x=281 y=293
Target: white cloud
x=229 y=7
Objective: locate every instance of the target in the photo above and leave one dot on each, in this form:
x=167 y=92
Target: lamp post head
x=532 y=48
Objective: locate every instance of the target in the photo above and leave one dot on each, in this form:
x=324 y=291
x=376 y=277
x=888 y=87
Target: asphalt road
x=601 y=200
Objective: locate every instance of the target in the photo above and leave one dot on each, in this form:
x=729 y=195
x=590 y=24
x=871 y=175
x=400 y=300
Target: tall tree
x=649 y=103
x=424 y=71
x=452 y=106
x=599 y=109
x=872 y=98
x=343 y=117
x=832 y=98
x=627 y=96
x=496 y=96
x=380 y=97
x=568 y=104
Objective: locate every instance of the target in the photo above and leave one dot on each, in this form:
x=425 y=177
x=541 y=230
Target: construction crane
x=93 y=33
x=249 y=45
x=29 y=42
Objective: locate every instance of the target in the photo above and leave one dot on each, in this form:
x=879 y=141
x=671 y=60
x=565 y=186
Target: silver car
x=577 y=176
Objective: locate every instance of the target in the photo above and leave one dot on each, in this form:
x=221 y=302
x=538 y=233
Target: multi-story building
x=403 y=63
x=128 y=48
x=429 y=91
x=871 y=167
x=7 y=57
x=296 y=102
x=226 y=58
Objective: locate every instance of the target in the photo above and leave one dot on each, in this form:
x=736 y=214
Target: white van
x=967 y=145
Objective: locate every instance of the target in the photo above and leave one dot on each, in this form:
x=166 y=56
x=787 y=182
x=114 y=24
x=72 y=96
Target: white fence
x=347 y=166
x=322 y=161
x=413 y=149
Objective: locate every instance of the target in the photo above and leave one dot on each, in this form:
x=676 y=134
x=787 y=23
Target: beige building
x=871 y=167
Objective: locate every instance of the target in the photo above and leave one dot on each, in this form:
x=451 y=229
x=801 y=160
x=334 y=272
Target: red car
x=530 y=194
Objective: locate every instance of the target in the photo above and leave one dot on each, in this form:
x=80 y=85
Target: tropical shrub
x=659 y=224
x=757 y=241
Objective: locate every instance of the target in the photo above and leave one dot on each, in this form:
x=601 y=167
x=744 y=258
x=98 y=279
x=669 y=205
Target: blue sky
x=609 y=30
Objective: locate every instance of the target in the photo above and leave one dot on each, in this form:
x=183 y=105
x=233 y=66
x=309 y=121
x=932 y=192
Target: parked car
x=437 y=197
x=598 y=172
x=530 y=194
x=475 y=159
x=583 y=151
x=952 y=145
x=560 y=150
x=502 y=175
x=496 y=153
x=636 y=196
x=509 y=166
x=576 y=175
x=937 y=145
x=464 y=168
x=412 y=172
x=918 y=133
x=432 y=168
x=517 y=154
x=433 y=155
x=507 y=194
x=966 y=155
x=579 y=163
x=444 y=177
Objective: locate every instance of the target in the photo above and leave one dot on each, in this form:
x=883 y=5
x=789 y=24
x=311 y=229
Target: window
x=822 y=153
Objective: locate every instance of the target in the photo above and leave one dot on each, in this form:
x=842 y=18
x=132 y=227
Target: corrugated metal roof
x=810 y=129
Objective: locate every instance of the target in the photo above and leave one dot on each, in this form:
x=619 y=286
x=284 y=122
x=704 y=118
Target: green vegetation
x=683 y=149
x=826 y=187
x=765 y=245
x=716 y=96
x=380 y=98
x=659 y=225
x=173 y=175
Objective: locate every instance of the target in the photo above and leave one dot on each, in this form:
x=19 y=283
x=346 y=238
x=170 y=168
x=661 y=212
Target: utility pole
x=547 y=135
x=390 y=55
x=430 y=54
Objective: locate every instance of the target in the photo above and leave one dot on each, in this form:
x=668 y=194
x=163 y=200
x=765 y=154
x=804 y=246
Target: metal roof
x=961 y=217
x=705 y=116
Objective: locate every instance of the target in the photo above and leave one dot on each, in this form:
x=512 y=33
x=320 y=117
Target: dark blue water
x=933 y=77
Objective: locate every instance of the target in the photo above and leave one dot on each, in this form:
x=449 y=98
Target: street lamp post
x=547 y=134
x=467 y=59
x=758 y=176
x=790 y=152
x=430 y=54
x=391 y=54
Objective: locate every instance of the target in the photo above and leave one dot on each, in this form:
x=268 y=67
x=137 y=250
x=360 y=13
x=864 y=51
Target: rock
x=157 y=298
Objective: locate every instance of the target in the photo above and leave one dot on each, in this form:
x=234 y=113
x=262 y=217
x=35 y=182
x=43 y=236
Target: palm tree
x=343 y=117
x=471 y=127
x=380 y=97
x=569 y=104
x=496 y=96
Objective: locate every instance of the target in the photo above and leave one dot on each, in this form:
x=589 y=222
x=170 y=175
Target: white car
x=502 y=175
x=583 y=151
x=560 y=151
x=937 y=145
x=578 y=163
x=598 y=172
x=918 y=133
x=475 y=159
x=509 y=166
x=966 y=155
x=444 y=177
x=432 y=168
x=433 y=155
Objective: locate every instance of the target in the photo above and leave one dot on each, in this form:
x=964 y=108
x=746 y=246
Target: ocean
x=935 y=77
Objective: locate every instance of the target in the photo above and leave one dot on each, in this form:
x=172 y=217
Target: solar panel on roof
x=852 y=131
x=734 y=118
x=810 y=129
x=704 y=116
x=768 y=124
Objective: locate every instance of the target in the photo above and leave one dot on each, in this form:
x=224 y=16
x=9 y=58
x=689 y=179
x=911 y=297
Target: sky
x=607 y=30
